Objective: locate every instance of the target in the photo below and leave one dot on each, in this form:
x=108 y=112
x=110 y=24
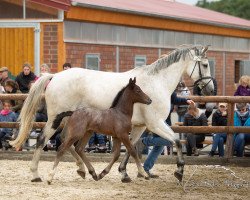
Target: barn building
x=118 y=35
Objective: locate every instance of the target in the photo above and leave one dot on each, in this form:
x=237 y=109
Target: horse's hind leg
x=116 y=155
x=135 y=135
x=41 y=142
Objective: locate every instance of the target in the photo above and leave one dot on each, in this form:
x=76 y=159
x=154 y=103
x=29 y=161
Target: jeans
x=218 y=141
x=158 y=144
x=239 y=143
x=192 y=141
x=97 y=138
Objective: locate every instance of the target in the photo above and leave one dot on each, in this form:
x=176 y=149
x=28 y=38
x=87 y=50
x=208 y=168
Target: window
x=242 y=67
x=140 y=61
x=212 y=67
x=93 y=61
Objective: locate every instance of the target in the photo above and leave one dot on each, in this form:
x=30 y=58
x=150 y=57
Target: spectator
x=182 y=91
x=194 y=117
x=25 y=78
x=6 y=115
x=11 y=87
x=241 y=118
x=198 y=90
x=157 y=142
x=98 y=142
x=243 y=88
x=4 y=75
x=66 y=66
x=219 y=119
x=44 y=69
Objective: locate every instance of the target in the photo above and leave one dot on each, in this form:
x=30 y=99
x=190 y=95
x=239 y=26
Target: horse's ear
x=134 y=80
x=204 y=50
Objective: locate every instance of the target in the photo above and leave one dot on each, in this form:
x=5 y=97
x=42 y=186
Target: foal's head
x=136 y=94
x=133 y=92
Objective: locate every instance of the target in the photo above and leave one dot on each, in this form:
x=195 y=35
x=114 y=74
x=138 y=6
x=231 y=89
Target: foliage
x=238 y=8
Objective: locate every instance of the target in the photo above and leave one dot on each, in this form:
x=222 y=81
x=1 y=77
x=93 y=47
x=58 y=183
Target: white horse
x=76 y=88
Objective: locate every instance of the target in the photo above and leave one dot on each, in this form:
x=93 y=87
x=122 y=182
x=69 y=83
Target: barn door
x=16 y=48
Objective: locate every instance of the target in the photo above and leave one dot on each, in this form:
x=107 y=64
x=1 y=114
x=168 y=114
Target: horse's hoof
x=178 y=175
x=81 y=173
x=140 y=175
x=37 y=180
x=95 y=177
x=126 y=180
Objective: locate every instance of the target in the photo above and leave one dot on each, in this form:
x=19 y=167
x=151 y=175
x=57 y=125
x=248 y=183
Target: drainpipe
x=24 y=9
x=37 y=31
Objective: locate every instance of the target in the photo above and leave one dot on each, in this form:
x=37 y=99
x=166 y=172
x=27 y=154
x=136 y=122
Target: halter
x=196 y=83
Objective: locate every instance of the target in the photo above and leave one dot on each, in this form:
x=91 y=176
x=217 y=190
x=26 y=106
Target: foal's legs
x=80 y=151
x=116 y=155
x=135 y=135
x=63 y=147
x=41 y=142
x=133 y=153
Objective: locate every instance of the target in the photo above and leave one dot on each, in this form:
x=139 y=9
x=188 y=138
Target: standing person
x=11 y=87
x=243 y=89
x=219 y=119
x=156 y=141
x=194 y=117
x=6 y=115
x=44 y=69
x=209 y=106
x=182 y=91
x=66 y=66
x=25 y=78
x=241 y=118
x=4 y=75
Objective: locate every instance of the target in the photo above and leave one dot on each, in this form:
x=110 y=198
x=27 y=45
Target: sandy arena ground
x=201 y=182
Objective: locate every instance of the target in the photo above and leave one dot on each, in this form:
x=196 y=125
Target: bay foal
x=115 y=121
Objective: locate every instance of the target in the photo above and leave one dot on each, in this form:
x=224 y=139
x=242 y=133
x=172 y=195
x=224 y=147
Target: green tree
x=238 y=8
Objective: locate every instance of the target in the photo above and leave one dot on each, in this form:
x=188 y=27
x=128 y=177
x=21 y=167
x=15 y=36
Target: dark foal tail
x=59 y=118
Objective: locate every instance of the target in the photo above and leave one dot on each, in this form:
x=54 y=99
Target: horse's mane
x=174 y=56
x=118 y=96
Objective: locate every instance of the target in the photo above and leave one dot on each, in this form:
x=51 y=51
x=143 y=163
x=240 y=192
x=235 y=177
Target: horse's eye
x=205 y=65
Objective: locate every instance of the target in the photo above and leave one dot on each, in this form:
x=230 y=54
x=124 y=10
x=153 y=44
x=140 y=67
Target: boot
x=195 y=151
x=211 y=153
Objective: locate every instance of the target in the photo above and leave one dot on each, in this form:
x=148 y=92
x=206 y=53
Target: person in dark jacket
x=156 y=141
x=219 y=119
x=209 y=106
x=25 y=78
x=194 y=117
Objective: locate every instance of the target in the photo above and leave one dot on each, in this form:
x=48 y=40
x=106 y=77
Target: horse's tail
x=59 y=118
x=29 y=109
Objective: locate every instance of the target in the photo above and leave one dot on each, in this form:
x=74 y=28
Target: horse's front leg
x=116 y=155
x=133 y=153
x=41 y=142
x=135 y=135
x=163 y=130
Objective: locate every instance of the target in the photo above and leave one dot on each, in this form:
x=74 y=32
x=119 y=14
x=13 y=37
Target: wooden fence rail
x=230 y=129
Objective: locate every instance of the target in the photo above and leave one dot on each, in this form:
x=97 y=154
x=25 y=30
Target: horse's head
x=199 y=70
x=136 y=94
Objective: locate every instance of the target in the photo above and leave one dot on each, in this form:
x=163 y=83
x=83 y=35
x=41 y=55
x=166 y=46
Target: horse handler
x=156 y=141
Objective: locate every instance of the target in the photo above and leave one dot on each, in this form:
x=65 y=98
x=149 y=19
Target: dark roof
x=167 y=9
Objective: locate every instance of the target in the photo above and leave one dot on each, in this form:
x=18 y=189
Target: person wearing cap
x=4 y=75
x=194 y=117
x=25 y=78
x=241 y=118
x=11 y=87
x=219 y=118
